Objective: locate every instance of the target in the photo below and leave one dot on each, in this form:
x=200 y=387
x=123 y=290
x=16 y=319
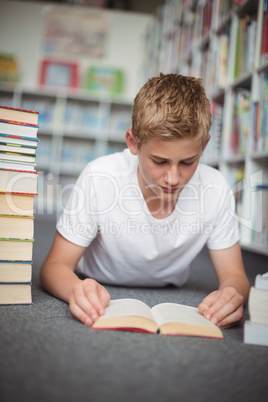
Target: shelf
x=244 y=81
x=259 y=155
x=247 y=7
x=234 y=159
x=227 y=58
x=223 y=24
x=263 y=67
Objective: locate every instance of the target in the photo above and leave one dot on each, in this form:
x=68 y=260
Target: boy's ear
x=131 y=142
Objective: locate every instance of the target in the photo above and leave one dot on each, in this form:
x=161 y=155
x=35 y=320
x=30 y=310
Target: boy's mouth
x=171 y=189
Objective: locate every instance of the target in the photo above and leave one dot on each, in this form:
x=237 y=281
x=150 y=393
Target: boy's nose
x=173 y=176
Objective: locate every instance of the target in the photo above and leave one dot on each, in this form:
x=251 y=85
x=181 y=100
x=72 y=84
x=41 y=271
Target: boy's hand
x=88 y=300
x=223 y=307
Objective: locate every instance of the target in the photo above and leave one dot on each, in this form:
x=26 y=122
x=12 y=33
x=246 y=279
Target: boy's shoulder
x=117 y=164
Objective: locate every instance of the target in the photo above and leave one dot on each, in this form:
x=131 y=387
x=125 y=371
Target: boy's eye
x=188 y=163
x=158 y=162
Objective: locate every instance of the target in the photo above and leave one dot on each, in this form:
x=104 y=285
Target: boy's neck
x=161 y=209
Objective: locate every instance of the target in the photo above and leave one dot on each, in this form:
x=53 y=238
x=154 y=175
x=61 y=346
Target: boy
x=141 y=216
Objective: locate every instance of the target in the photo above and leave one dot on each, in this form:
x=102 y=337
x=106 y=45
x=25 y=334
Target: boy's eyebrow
x=183 y=160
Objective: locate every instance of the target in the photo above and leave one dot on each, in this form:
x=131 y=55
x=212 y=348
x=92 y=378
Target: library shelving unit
x=74 y=128
x=225 y=42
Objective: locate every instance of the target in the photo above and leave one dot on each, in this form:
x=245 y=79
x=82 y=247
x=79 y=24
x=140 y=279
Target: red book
x=264 y=48
x=18 y=115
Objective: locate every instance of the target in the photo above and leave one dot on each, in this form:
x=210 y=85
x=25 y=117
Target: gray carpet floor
x=47 y=355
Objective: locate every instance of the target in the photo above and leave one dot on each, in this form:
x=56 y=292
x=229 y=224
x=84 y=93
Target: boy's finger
x=79 y=313
x=231 y=319
x=223 y=308
x=207 y=302
x=84 y=302
x=105 y=299
x=93 y=295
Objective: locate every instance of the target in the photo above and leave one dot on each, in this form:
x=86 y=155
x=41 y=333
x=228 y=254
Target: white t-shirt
x=126 y=245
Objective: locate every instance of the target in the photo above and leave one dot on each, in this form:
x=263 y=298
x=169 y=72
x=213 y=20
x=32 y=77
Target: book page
x=127 y=307
x=173 y=312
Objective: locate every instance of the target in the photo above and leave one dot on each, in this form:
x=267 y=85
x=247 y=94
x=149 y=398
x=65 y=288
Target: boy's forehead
x=186 y=146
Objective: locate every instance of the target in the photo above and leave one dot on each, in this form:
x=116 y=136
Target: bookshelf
x=224 y=42
x=73 y=130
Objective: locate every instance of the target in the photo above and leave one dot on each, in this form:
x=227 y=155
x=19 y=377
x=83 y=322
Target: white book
x=258 y=306
x=261 y=281
x=22 y=130
x=17 y=165
x=255 y=334
x=17 y=149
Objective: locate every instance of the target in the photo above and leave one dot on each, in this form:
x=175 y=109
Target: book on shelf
x=16 y=226
x=9 y=69
x=164 y=318
x=19 y=129
x=241 y=121
x=207 y=17
x=15 y=293
x=245 y=45
x=223 y=11
x=16 y=249
x=212 y=152
x=16 y=204
x=20 y=115
x=259 y=232
x=256 y=328
x=222 y=61
x=260 y=117
x=264 y=44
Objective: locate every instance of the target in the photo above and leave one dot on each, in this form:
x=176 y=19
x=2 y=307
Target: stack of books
x=18 y=186
x=256 y=328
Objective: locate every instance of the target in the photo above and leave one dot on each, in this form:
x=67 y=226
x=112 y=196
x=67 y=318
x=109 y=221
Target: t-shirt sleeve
x=77 y=222
x=225 y=232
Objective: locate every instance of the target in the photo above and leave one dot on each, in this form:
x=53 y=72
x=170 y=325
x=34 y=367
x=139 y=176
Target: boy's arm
x=224 y=307
x=87 y=298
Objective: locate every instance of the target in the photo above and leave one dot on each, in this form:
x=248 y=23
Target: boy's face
x=165 y=167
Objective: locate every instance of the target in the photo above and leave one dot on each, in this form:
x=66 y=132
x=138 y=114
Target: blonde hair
x=169 y=107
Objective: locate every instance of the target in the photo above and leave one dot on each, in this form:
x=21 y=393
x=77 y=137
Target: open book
x=165 y=318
